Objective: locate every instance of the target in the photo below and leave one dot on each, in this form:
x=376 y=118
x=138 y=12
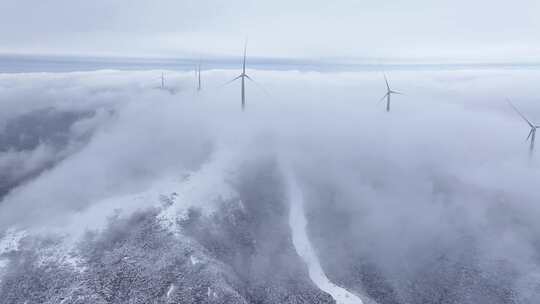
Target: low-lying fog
x=438 y=198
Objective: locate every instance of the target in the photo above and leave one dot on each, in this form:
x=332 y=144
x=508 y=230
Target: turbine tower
x=243 y=78
x=162 y=80
x=532 y=133
x=388 y=94
x=199 y=76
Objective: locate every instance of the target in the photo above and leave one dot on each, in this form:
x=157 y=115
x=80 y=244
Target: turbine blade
x=383 y=98
x=258 y=85
x=530 y=134
x=231 y=81
x=399 y=93
x=387 y=85
x=520 y=114
x=245 y=54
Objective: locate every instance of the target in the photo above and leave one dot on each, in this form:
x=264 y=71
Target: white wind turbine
x=532 y=133
x=162 y=81
x=243 y=77
x=199 y=87
x=388 y=94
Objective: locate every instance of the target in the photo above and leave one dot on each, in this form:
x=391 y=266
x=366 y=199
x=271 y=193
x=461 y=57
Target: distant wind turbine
x=199 y=76
x=243 y=77
x=162 y=86
x=532 y=133
x=388 y=94
x=162 y=80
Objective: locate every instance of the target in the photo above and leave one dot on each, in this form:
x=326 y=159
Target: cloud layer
x=444 y=179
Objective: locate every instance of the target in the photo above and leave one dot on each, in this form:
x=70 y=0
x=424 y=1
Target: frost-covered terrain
x=115 y=191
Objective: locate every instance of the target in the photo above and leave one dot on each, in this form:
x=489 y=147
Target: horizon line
x=307 y=59
x=16 y=63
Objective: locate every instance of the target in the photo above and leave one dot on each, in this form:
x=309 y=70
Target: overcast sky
x=457 y=30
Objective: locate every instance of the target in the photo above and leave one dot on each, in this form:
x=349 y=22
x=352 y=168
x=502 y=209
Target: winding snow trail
x=298 y=223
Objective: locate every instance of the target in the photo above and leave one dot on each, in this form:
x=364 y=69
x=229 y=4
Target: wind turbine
x=199 y=76
x=532 y=133
x=243 y=77
x=162 y=80
x=388 y=94
x=162 y=86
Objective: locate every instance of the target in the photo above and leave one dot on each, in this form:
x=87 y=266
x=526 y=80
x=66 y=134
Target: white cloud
x=448 y=162
x=456 y=123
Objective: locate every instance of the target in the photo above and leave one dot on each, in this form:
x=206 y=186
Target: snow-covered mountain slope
x=193 y=240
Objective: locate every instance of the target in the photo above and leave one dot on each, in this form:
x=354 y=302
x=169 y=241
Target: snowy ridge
x=200 y=189
x=298 y=223
x=173 y=194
